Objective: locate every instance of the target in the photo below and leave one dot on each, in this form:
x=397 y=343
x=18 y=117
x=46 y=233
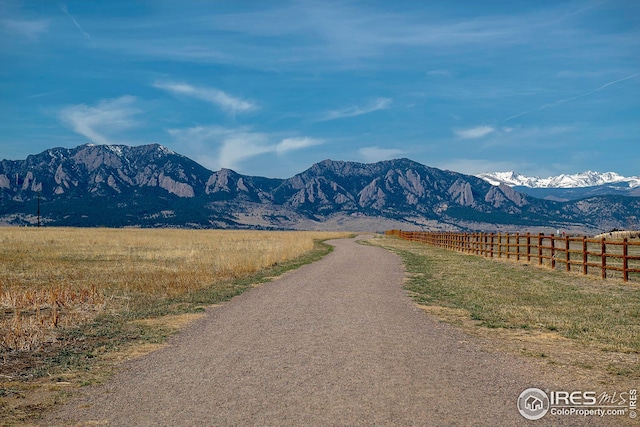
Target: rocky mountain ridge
x=152 y=186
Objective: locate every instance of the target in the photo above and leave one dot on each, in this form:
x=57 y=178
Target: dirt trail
x=337 y=342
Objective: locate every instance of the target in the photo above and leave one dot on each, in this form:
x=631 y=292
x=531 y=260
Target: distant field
x=532 y=311
x=622 y=234
x=71 y=296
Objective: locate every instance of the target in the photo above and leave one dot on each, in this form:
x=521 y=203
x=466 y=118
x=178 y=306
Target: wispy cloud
x=351 y=34
x=476 y=166
x=237 y=146
x=234 y=145
x=542 y=137
x=572 y=98
x=43 y=94
x=63 y=9
x=290 y=144
x=229 y=103
x=473 y=133
x=376 y=154
x=98 y=122
x=231 y=146
x=357 y=110
x=346 y=30
x=29 y=29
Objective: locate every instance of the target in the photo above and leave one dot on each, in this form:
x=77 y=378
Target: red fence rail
x=608 y=258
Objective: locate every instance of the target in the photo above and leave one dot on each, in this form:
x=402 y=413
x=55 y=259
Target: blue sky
x=270 y=87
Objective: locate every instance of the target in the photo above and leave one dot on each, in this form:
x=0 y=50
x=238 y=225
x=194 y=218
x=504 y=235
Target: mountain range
x=567 y=187
x=152 y=186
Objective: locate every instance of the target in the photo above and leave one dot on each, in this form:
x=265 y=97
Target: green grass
x=501 y=294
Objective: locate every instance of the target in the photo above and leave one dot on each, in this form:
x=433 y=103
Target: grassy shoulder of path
x=588 y=327
x=89 y=352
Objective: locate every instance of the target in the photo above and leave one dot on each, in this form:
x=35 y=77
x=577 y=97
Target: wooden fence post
x=491 y=245
x=585 y=256
x=508 y=239
x=528 y=247
x=567 y=257
x=517 y=246
x=603 y=253
x=484 y=245
x=474 y=244
x=499 y=245
x=625 y=262
x=553 y=253
x=540 y=248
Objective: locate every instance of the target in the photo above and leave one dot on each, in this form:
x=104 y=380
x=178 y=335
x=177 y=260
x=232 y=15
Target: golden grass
x=618 y=235
x=53 y=277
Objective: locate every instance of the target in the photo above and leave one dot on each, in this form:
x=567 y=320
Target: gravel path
x=337 y=342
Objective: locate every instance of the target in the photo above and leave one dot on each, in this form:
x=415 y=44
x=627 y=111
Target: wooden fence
x=608 y=258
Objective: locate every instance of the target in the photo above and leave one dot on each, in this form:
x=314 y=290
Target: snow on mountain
x=578 y=180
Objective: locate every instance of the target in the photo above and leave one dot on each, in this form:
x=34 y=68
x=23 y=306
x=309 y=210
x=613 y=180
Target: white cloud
x=234 y=145
x=543 y=137
x=29 y=29
x=358 y=110
x=289 y=144
x=239 y=146
x=223 y=100
x=98 y=122
x=473 y=133
x=376 y=154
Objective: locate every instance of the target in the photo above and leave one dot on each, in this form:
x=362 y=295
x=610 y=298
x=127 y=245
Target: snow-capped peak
x=583 y=179
x=510 y=178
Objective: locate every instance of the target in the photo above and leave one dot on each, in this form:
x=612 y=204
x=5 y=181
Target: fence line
x=588 y=255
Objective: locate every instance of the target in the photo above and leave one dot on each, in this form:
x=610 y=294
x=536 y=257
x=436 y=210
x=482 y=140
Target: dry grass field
x=620 y=234
x=68 y=295
x=53 y=277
